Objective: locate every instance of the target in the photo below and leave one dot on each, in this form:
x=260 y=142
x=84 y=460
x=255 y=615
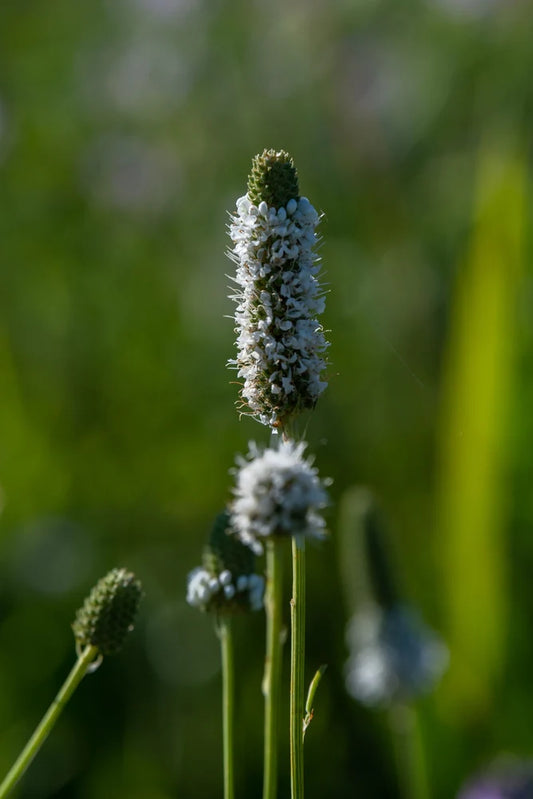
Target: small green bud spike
x=108 y=613
x=273 y=179
x=225 y=551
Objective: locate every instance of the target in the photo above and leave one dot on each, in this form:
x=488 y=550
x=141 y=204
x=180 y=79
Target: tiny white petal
x=292 y=206
x=256 y=591
x=203 y=593
x=224 y=577
x=229 y=591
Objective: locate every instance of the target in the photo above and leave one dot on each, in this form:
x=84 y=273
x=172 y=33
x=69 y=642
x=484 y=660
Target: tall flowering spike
x=226 y=582
x=277 y=493
x=108 y=613
x=280 y=342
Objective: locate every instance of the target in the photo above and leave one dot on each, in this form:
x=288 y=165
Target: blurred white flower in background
x=394 y=657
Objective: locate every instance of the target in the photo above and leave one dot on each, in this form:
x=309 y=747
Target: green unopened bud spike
x=273 y=179
x=108 y=613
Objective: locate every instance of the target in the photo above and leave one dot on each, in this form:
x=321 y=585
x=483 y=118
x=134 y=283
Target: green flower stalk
x=280 y=343
x=226 y=584
x=275 y=634
x=100 y=628
x=281 y=361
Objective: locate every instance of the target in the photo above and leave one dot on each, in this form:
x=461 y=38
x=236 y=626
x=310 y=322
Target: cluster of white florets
x=279 y=340
x=393 y=656
x=206 y=590
x=278 y=493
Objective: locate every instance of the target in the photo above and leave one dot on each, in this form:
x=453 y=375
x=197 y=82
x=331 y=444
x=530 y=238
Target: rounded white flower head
x=226 y=582
x=393 y=656
x=277 y=493
x=280 y=343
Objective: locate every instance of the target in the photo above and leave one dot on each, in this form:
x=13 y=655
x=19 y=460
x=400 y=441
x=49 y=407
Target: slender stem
x=297 y=688
x=272 y=678
x=225 y=634
x=49 y=719
x=412 y=775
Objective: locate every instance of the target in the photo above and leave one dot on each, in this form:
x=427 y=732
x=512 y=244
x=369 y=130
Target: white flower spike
x=280 y=343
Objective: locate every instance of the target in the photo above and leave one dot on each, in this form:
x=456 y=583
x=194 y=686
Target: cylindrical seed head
x=107 y=615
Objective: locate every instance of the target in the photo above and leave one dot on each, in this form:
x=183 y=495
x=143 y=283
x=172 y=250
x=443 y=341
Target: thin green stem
x=297 y=687
x=49 y=719
x=272 y=678
x=225 y=634
x=411 y=767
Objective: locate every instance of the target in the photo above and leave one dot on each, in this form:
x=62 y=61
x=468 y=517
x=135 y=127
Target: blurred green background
x=127 y=128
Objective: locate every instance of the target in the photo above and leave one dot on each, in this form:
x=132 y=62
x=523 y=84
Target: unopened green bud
x=273 y=179
x=108 y=613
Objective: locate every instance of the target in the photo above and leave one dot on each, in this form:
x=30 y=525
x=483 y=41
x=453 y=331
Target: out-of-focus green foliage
x=127 y=130
x=473 y=490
